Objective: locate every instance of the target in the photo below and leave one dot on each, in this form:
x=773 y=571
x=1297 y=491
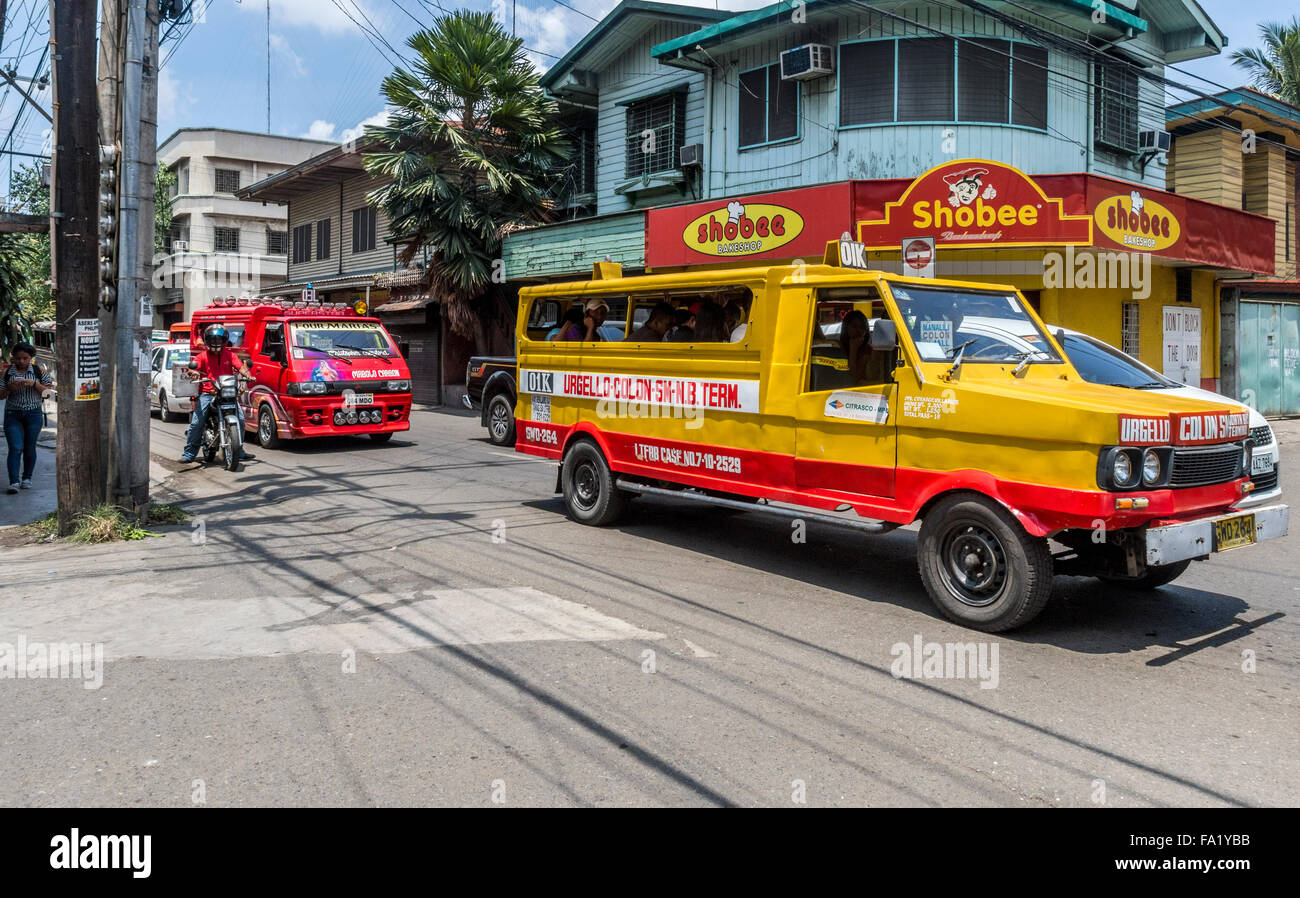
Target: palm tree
x=471 y=149
x=1275 y=69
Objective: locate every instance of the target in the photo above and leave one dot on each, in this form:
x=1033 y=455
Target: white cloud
x=175 y=99
x=285 y=52
x=322 y=15
x=320 y=130
x=379 y=118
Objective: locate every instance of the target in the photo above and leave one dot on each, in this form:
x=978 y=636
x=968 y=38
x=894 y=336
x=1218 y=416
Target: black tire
x=268 y=437
x=588 y=486
x=234 y=442
x=501 y=420
x=382 y=437
x=1154 y=578
x=163 y=414
x=979 y=565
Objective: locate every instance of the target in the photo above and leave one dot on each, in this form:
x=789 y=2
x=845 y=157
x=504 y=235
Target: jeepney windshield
x=339 y=338
x=992 y=325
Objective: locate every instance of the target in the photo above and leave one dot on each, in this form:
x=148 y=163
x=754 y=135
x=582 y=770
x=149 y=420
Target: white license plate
x=1261 y=464
x=363 y=399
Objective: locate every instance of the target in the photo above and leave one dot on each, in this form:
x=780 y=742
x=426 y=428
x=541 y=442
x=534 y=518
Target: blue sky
x=326 y=73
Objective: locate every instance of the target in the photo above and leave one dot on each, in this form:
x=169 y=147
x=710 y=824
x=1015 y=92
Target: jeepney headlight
x=352 y=417
x=1151 y=467
x=1121 y=468
x=399 y=386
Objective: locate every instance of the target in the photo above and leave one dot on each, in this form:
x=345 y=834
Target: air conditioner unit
x=692 y=155
x=1153 y=141
x=808 y=61
x=180 y=246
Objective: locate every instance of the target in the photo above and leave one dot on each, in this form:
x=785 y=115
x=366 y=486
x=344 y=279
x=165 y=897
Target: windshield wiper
x=372 y=352
x=956 y=354
x=1026 y=359
x=328 y=352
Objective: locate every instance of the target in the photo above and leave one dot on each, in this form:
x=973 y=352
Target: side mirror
x=884 y=335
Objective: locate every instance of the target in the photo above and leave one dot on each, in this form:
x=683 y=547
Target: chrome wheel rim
x=264 y=428
x=500 y=423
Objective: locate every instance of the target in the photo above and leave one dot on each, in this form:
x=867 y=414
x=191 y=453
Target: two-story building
x=896 y=121
x=1240 y=148
x=220 y=244
x=341 y=246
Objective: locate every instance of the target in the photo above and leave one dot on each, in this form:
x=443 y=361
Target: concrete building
x=221 y=245
x=342 y=246
x=840 y=116
x=1240 y=148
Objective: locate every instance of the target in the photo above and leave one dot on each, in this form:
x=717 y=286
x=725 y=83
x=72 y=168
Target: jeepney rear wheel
x=501 y=420
x=980 y=567
x=268 y=434
x=1156 y=576
x=588 y=486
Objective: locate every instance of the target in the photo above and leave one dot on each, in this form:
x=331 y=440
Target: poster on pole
x=87 y=361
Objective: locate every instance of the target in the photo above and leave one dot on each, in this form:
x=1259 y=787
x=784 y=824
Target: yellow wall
x=1100 y=312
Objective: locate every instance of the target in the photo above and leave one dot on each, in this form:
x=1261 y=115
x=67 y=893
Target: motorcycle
x=223 y=427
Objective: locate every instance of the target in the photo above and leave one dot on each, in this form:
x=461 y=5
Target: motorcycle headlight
x=1121 y=469
x=1151 y=468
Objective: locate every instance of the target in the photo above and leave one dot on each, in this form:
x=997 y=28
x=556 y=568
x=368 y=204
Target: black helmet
x=215 y=337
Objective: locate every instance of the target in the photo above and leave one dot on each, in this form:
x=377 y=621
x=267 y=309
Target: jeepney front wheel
x=588 y=486
x=980 y=566
x=268 y=433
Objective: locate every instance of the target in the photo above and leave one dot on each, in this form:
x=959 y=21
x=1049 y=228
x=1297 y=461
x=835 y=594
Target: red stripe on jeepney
x=1041 y=509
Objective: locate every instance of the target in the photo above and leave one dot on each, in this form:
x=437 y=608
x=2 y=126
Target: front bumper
x=1168 y=543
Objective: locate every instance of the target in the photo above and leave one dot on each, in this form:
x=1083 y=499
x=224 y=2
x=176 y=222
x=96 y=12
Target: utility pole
x=268 y=68
x=133 y=318
x=74 y=256
x=111 y=39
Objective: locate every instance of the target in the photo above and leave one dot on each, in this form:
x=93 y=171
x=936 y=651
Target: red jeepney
x=320 y=369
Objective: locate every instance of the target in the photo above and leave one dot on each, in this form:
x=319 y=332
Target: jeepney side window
x=710 y=315
x=273 y=341
x=840 y=355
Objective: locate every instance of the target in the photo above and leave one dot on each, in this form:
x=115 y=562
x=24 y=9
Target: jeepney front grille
x=1205 y=466
x=1262 y=436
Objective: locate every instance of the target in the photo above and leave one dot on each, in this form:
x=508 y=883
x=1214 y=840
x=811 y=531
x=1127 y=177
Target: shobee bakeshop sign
x=974 y=203
x=782 y=225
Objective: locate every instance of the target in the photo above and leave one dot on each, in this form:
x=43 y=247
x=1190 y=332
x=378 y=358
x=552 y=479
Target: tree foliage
x=470 y=151
x=1275 y=69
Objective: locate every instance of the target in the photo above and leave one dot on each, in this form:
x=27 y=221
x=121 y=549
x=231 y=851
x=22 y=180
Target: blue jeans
x=197 y=417
x=22 y=428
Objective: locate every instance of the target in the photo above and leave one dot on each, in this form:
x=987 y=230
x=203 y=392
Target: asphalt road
x=419 y=623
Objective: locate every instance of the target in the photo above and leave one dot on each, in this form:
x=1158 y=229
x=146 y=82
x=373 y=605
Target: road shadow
x=1085 y=615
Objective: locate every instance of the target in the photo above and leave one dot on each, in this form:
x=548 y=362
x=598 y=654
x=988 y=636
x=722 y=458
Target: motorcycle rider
x=218 y=360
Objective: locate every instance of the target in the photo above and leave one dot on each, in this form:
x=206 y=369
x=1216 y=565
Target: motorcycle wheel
x=230 y=451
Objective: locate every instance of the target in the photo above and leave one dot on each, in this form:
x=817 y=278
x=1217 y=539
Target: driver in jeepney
x=216 y=361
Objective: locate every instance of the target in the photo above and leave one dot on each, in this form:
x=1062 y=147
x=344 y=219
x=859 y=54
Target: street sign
x=918 y=257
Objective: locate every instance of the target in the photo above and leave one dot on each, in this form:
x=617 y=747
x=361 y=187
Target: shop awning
x=405 y=303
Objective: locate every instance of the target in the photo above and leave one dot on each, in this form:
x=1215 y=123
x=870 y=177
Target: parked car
x=166 y=357
x=1100 y=362
x=490 y=387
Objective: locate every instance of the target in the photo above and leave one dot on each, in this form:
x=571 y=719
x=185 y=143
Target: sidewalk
x=28 y=505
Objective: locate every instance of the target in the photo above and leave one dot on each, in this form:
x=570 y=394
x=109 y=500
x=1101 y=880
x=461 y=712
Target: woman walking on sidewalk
x=24 y=385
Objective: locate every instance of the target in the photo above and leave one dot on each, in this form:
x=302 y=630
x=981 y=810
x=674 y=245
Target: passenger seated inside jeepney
x=710 y=324
x=570 y=324
x=655 y=327
x=683 y=329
